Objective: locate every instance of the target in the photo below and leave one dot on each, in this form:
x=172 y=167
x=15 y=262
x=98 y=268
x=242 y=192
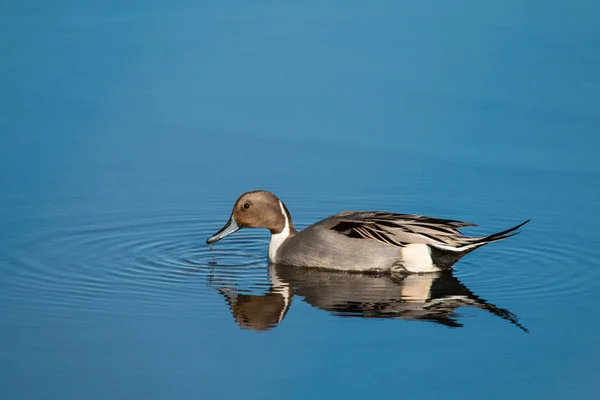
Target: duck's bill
x=230 y=227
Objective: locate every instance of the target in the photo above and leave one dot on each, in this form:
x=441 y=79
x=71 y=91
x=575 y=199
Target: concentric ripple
x=535 y=264
x=152 y=262
x=132 y=262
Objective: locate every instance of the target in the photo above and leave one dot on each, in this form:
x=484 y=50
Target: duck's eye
x=246 y=206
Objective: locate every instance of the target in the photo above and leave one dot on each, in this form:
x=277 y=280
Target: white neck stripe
x=278 y=238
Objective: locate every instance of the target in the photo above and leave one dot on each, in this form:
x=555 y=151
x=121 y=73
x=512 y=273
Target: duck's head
x=257 y=209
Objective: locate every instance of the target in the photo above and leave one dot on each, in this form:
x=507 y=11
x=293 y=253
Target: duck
x=357 y=241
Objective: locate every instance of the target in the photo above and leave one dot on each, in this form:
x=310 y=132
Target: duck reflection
x=433 y=297
x=259 y=312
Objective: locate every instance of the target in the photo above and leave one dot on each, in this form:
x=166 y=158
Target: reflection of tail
x=450 y=291
x=449 y=319
x=444 y=256
x=502 y=313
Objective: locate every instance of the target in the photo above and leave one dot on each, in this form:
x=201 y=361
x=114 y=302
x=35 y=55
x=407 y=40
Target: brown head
x=257 y=209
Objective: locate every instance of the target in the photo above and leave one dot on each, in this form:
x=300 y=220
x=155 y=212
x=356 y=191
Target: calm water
x=128 y=131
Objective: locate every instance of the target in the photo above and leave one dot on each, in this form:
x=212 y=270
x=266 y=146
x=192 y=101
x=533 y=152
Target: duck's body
x=320 y=246
x=356 y=240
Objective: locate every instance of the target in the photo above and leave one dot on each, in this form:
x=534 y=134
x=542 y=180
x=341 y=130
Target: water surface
x=128 y=131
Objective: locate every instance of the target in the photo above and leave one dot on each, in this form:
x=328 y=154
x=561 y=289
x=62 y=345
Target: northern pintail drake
x=359 y=241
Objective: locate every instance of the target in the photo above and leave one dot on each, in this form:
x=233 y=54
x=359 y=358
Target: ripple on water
x=158 y=261
x=155 y=262
x=534 y=265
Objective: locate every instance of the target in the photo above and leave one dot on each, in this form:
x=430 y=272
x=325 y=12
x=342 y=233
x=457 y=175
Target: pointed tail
x=446 y=256
x=468 y=244
x=477 y=242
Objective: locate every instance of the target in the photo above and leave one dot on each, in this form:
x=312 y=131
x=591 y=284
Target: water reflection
x=427 y=297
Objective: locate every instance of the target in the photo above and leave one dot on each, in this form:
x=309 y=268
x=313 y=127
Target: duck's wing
x=403 y=229
x=399 y=229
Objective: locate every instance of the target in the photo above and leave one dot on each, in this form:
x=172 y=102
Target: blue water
x=128 y=129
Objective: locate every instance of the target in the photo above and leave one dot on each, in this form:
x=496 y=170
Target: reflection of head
x=258 y=313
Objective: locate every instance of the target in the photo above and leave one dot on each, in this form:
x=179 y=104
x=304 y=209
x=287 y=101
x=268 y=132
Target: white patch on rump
x=417 y=258
x=278 y=238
